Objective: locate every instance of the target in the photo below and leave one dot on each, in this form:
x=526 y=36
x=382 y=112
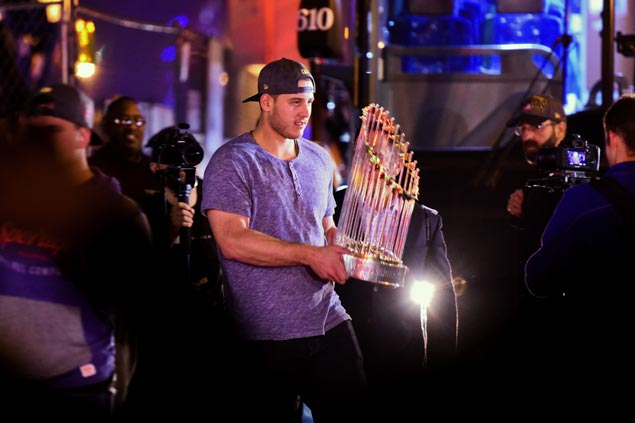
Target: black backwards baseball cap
x=281 y=77
x=66 y=102
x=538 y=108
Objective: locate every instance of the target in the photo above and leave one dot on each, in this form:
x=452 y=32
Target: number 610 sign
x=321 y=29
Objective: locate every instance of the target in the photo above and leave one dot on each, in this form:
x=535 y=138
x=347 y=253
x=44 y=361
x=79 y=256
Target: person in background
x=399 y=365
x=540 y=123
x=122 y=154
x=585 y=260
x=268 y=195
x=192 y=356
x=75 y=255
x=181 y=232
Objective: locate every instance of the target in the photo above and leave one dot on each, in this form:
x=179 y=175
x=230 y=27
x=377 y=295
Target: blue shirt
x=583 y=242
x=286 y=199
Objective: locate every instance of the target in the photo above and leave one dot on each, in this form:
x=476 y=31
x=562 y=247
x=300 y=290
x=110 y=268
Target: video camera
x=572 y=162
x=177 y=148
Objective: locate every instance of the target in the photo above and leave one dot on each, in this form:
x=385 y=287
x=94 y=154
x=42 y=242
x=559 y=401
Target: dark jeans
x=326 y=372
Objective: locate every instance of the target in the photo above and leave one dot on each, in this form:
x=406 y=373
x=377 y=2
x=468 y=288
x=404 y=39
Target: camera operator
x=559 y=162
x=191 y=299
x=179 y=228
x=540 y=123
x=586 y=260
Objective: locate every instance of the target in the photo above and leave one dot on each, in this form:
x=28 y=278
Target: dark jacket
x=136 y=178
x=388 y=322
x=585 y=263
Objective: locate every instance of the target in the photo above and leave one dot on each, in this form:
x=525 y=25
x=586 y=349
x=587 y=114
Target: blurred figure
x=400 y=364
x=585 y=260
x=35 y=44
x=181 y=232
x=74 y=256
x=192 y=357
x=14 y=88
x=122 y=155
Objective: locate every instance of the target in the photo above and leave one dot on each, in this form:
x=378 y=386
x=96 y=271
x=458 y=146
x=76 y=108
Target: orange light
x=53 y=13
x=85 y=66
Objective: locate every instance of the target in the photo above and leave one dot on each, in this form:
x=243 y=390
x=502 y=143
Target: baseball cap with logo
x=66 y=102
x=538 y=108
x=281 y=77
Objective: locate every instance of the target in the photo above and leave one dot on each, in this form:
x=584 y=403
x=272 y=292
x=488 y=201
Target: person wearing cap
x=541 y=122
x=268 y=195
x=73 y=253
x=122 y=154
x=585 y=260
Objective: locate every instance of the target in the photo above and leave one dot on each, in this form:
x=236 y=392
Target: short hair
x=620 y=118
x=116 y=103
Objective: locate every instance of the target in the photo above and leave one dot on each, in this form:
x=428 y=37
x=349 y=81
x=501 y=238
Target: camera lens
x=192 y=154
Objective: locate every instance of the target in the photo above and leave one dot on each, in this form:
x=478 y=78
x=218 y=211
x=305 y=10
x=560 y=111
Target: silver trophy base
x=372 y=270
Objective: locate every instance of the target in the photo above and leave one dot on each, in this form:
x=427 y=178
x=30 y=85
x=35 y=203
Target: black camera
x=176 y=147
x=573 y=154
x=572 y=162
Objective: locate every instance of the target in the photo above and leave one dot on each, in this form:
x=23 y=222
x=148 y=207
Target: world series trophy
x=383 y=187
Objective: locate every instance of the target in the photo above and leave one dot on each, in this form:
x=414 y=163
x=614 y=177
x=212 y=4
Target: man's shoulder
x=235 y=149
x=313 y=150
x=312 y=145
x=238 y=142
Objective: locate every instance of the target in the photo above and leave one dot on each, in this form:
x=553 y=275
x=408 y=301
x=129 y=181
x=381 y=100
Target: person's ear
x=82 y=137
x=561 y=130
x=266 y=102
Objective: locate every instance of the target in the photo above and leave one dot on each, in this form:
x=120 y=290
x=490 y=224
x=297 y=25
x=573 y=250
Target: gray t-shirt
x=287 y=200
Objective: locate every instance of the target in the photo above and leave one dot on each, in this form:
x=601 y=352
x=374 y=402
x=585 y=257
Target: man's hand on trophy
x=328 y=264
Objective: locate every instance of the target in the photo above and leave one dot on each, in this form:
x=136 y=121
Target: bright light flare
x=84 y=69
x=421 y=293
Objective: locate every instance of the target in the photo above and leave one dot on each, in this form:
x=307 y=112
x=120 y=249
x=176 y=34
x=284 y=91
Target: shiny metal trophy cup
x=383 y=187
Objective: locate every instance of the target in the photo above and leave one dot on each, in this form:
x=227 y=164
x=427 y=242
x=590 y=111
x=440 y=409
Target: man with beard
x=540 y=123
x=586 y=261
x=268 y=195
x=122 y=155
